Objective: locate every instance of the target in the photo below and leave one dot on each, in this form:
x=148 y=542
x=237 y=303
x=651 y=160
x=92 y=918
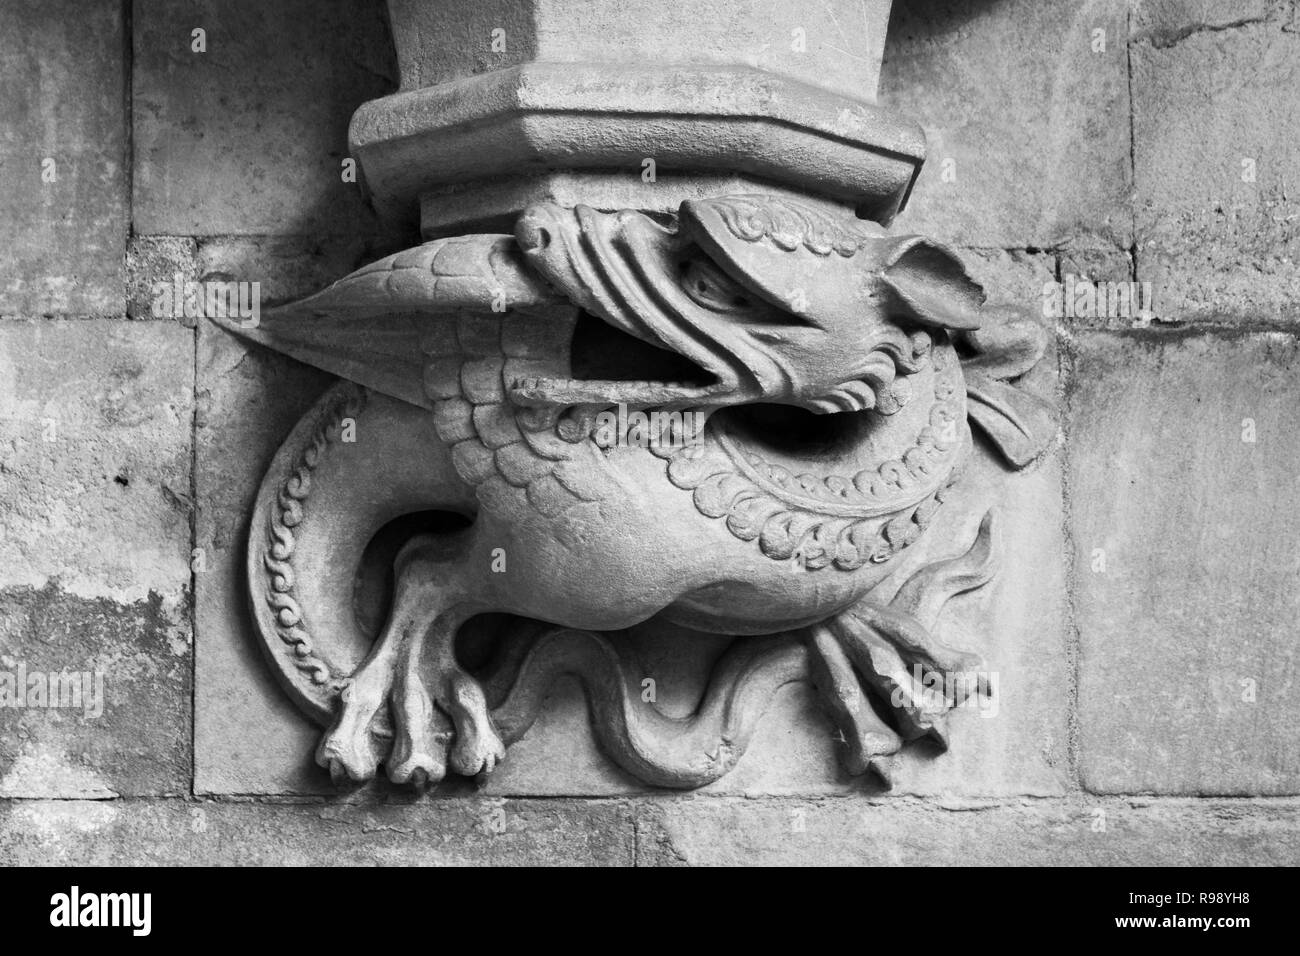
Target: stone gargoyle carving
x=809 y=382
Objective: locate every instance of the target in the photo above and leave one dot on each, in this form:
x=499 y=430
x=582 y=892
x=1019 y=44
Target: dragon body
x=832 y=372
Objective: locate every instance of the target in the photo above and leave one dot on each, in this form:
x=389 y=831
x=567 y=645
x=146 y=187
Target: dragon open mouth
x=798 y=435
x=609 y=366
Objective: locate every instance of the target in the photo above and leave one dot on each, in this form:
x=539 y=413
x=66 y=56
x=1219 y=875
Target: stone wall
x=1145 y=626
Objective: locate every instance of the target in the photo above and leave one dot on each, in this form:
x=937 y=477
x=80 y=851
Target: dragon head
x=760 y=299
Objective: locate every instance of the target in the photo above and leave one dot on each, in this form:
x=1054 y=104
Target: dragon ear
x=931 y=286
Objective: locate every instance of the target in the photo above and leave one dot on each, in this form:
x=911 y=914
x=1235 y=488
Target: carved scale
x=837 y=368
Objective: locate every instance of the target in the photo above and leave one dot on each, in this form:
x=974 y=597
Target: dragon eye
x=709 y=287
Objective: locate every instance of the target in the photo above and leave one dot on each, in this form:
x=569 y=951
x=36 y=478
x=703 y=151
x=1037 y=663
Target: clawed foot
x=890 y=652
x=410 y=706
x=415 y=734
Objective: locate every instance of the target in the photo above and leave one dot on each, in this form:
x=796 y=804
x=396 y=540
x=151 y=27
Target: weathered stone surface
x=248 y=737
x=1012 y=278
x=1216 y=149
x=151 y=260
x=889 y=832
x=1165 y=22
x=447 y=833
x=1186 y=561
x=249 y=137
x=1096 y=264
x=119 y=724
x=700 y=831
x=62 y=98
x=1114 y=299
x=94 y=446
x=94 y=551
x=1029 y=137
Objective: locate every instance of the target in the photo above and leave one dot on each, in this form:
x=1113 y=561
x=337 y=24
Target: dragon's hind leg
x=889 y=649
x=410 y=705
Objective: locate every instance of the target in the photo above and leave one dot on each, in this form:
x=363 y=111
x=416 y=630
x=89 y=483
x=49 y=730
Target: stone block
x=1182 y=475
x=95 y=421
x=249 y=135
x=63 y=176
x=1025 y=106
x=1165 y=22
x=422 y=833
x=1216 y=119
x=104 y=709
x=838 y=832
x=95 y=514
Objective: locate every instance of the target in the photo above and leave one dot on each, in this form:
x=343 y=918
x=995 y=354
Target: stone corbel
x=802 y=385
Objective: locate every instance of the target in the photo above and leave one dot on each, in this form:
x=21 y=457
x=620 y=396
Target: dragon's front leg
x=410 y=705
x=889 y=650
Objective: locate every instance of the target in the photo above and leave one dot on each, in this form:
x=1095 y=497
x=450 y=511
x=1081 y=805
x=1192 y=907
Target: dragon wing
x=370 y=326
x=448 y=326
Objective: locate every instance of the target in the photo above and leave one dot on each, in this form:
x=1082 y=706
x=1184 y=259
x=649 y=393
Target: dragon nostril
x=532 y=234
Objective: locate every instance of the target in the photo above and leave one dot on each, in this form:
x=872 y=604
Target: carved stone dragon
x=837 y=369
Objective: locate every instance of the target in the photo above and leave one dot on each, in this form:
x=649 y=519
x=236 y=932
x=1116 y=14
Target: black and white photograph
x=651 y=433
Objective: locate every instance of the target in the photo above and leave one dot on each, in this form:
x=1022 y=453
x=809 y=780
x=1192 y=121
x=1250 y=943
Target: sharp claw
x=478 y=749
x=883 y=667
x=915 y=641
x=420 y=770
x=349 y=757
x=883 y=768
x=938 y=731
x=338 y=776
x=475 y=758
x=419 y=735
x=865 y=735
